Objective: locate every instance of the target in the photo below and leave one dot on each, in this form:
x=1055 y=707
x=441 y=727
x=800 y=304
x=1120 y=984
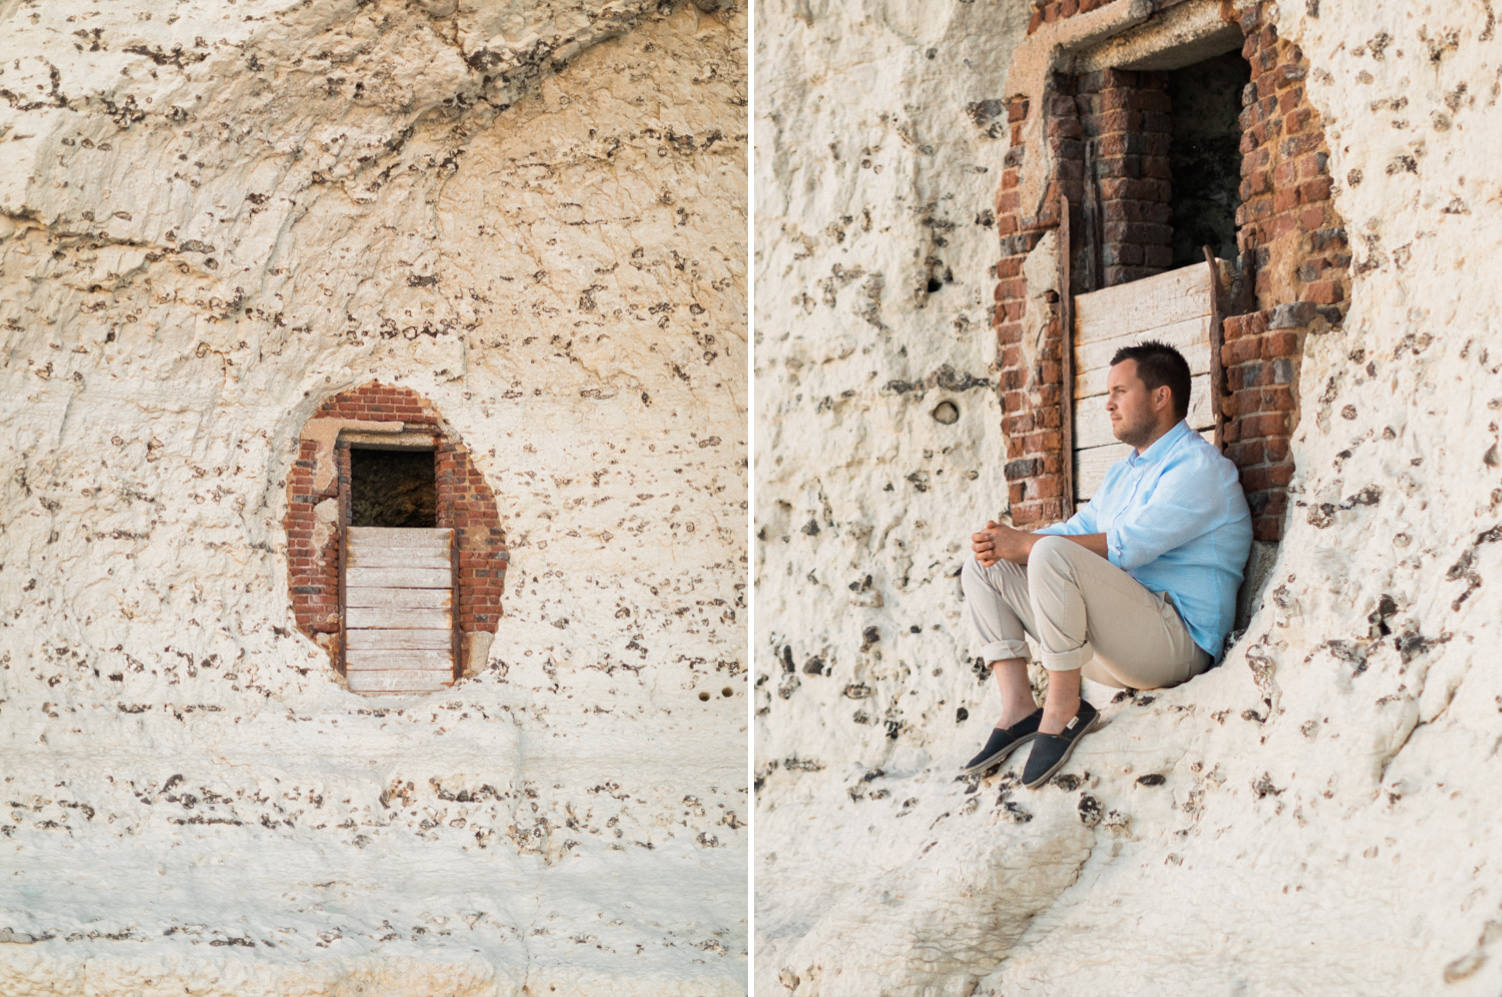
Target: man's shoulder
x=1195 y=447
x=1192 y=458
x=1212 y=471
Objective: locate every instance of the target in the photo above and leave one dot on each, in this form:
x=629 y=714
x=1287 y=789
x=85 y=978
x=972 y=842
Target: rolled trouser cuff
x=1067 y=661
x=1003 y=650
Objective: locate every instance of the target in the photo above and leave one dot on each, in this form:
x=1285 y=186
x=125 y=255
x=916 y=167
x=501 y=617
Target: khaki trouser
x=1085 y=613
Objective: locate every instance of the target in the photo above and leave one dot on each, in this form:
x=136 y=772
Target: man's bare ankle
x=1015 y=715
x=1056 y=717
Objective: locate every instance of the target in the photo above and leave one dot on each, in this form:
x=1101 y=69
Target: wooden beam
x=1217 y=340
x=389 y=658
x=1090 y=216
x=1136 y=308
x=415 y=578
x=371 y=597
x=1066 y=332
x=398 y=640
x=403 y=536
x=397 y=618
x=456 y=643
x=369 y=556
x=341 y=499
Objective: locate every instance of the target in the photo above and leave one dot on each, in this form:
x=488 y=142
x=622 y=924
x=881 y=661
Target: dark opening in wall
x=1205 y=156
x=393 y=488
x=1160 y=151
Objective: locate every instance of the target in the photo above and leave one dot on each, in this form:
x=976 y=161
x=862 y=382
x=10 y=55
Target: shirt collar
x=1161 y=446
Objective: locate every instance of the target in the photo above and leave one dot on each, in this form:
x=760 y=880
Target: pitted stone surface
x=1314 y=816
x=214 y=216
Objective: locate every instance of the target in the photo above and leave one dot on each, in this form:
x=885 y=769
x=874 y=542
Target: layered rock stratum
x=1314 y=816
x=213 y=216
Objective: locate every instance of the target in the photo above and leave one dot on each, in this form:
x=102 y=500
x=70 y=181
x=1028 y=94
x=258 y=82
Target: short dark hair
x=1159 y=364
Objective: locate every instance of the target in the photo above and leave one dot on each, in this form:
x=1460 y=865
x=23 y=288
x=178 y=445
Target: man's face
x=1130 y=405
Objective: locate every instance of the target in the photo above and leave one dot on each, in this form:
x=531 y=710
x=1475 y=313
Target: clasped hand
x=1000 y=543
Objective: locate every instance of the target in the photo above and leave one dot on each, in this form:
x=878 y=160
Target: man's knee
x=971 y=574
x=1052 y=560
x=975 y=578
x=1051 y=551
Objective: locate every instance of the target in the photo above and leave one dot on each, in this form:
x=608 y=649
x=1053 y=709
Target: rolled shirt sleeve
x=1081 y=523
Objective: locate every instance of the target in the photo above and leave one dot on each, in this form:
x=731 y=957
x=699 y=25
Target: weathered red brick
x=1325 y=292
x=1281 y=343
x=1246 y=454
x=1267 y=424
x=1317 y=189
x=1239 y=351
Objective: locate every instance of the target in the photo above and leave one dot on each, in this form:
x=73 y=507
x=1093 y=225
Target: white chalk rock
x=1314 y=816
x=215 y=216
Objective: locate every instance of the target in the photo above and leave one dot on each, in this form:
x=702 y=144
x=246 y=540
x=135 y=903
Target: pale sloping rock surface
x=213 y=216
x=1315 y=816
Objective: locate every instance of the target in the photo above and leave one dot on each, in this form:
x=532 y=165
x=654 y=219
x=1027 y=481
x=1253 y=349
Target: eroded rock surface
x=213 y=216
x=1315 y=816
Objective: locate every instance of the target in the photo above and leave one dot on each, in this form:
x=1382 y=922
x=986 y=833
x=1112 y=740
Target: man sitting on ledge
x=1138 y=588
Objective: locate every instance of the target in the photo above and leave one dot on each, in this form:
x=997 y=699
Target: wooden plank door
x=398 y=609
x=1177 y=308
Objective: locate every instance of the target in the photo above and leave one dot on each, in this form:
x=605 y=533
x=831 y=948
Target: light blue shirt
x=1176 y=520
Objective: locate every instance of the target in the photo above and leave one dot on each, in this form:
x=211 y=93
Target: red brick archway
x=318 y=497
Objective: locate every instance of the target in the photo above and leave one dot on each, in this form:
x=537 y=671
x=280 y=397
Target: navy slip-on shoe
x=1002 y=742
x=1051 y=751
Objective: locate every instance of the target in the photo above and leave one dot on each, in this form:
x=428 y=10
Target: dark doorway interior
x=1205 y=156
x=393 y=488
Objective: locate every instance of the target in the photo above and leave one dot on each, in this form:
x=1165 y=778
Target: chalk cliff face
x=1314 y=816
x=214 y=216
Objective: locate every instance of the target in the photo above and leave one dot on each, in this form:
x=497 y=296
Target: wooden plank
x=400 y=534
x=456 y=652
x=400 y=680
x=402 y=658
x=398 y=557
x=429 y=543
x=1066 y=319
x=423 y=578
x=1092 y=423
x=1090 y=466
x=396 y=618
x=398 y=597
x=367 y=597
x=1092 y=362
x=1149 y=303
x=399 y=537
x=1090 y=214
x=341 y=462
x=1217 y=343
x=392 y=640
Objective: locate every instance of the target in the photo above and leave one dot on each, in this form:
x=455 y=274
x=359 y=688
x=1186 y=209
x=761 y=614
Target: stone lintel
x=324 y=433
x=1180 y=36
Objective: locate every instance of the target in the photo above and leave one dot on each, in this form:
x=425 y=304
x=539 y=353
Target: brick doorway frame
x=1293 y=255
x=318 y=514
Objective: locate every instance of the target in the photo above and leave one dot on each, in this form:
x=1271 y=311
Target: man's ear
x=1162 y=395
